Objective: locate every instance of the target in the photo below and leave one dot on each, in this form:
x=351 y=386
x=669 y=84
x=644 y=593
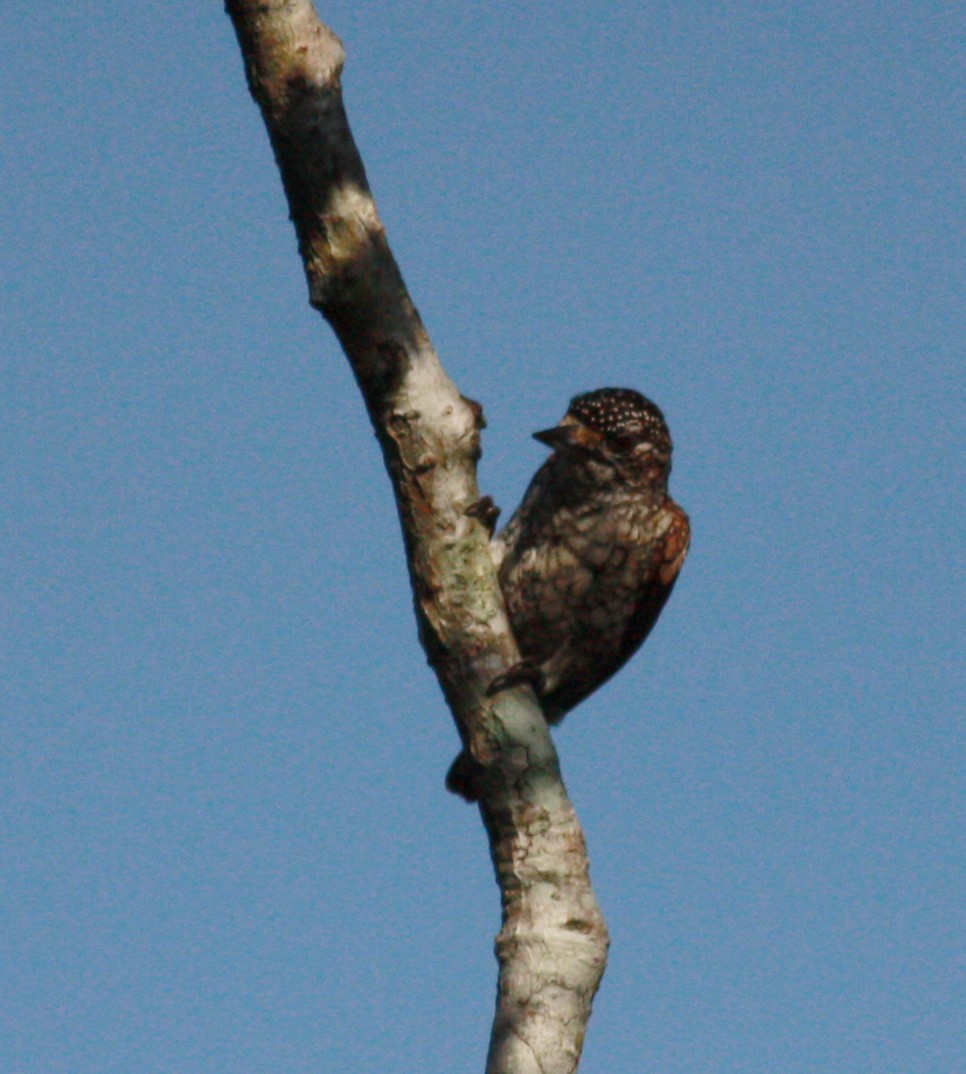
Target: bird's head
x=618 y=432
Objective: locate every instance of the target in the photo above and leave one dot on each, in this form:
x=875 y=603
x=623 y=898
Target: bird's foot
x=486 y=512
x=524 y=672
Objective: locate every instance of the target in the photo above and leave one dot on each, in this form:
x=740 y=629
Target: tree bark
x=552 y=946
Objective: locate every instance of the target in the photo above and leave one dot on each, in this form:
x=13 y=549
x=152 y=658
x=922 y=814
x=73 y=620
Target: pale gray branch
x=553 y=943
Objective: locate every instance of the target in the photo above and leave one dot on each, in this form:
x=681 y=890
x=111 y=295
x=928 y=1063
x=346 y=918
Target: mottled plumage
x=591 y=555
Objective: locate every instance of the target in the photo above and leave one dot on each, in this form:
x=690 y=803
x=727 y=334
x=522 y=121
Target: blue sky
x=225 y=842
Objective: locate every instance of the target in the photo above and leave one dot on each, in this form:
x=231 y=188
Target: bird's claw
x=485 y=511
x=521 y=673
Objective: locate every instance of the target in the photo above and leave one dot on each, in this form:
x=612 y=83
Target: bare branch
x=553 y=942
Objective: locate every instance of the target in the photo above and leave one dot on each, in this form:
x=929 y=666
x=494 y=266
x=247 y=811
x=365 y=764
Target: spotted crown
x=622 y=415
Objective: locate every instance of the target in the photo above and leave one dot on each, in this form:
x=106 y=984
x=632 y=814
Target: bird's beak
x=568 y=436
x=560 y=437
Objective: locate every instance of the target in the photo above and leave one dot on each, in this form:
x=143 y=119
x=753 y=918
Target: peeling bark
x=552 y=946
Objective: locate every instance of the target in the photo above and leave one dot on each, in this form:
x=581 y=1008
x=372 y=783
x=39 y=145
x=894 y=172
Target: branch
x=553 y=942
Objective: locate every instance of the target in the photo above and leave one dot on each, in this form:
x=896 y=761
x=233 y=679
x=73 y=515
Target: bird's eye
x=626 y=439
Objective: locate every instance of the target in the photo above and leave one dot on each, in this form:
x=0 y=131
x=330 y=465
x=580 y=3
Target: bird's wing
x=662 y=574
x=663 y=570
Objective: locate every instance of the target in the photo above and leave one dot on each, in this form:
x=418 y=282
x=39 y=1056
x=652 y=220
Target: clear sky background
x=226 y=847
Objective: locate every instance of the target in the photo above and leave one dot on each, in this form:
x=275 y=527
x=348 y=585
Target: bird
x=589 y=558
